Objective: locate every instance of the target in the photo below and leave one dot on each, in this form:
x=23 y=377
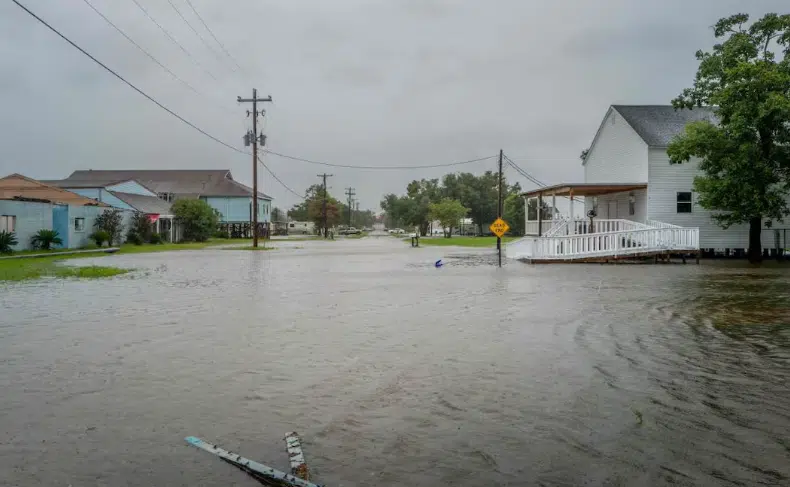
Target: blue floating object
x=438 y=263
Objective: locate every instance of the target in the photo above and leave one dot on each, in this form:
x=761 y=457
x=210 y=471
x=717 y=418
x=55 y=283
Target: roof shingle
x=203 y=182
x=657 y=125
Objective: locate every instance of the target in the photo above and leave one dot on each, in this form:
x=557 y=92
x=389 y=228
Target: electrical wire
x=151 y=56
x=135 y=88
x=212 y=35
x=527 y=175
x=215 y=53
x=294 y=158
x=173 y=39
x=278 y=179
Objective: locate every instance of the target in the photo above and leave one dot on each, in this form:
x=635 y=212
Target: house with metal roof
x=636 y=202
x=28 y=205
x=232 y=199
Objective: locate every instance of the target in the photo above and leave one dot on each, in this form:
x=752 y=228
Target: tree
x=110 y=221
x=278 y=215
x=745 y=158
x=422 y=193
x=140 y=228
x=315 y=213
x=449 y=212
x=513 y=213
x=198 y=220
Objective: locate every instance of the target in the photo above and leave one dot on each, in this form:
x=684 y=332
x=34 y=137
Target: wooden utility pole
x=323 y=210
x=499 y=207
x=255 y=138
x=350 y=193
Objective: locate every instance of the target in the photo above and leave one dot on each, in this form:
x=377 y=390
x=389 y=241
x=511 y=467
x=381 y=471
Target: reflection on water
x=398 y=373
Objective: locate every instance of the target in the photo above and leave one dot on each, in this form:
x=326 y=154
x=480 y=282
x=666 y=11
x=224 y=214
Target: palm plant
x=45 y=239
x=7 y=240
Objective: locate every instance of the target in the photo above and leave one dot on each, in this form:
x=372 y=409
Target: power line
x=279 y=180
x=294 y=158
x=135 y=88
x=150 y=56
x=212 y=34
x=173 y=39
x=195 y=31
x=527 y=175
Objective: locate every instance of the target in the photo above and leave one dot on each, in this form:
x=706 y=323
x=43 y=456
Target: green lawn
x=250 y=247
x=37 y=267
x=462 y=241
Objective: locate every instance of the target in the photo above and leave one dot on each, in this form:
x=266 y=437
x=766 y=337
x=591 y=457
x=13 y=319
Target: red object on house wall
x=153 y=217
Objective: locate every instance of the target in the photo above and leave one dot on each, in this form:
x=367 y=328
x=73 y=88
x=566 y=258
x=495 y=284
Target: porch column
x=553 y=205
x=526 y=214
x=540 y=217
x=171 y=230
x=573 y=218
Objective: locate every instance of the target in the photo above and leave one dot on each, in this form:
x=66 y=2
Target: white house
x=632 y=187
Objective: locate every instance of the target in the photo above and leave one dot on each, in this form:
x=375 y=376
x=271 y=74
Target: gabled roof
x=202 y=182
x=17 y=186
x=657 y=125
x=145 y=204
x=77 y=184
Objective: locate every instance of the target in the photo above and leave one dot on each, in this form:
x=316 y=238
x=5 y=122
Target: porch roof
x=583 y=189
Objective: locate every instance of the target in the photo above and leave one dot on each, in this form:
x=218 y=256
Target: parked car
x=349 y=231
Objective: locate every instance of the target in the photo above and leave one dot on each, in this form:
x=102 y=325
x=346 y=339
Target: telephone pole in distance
x=323 y=210
x=255 y=139
x=350 y=193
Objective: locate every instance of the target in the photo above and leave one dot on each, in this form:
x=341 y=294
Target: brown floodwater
x=397 y=373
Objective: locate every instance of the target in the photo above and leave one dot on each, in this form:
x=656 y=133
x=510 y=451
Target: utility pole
x=350 y=193
x=323 y=210
x=255 y=139
x=499 y=207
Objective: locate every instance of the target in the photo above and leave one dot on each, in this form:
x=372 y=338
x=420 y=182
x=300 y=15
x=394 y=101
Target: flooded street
x=396 y=373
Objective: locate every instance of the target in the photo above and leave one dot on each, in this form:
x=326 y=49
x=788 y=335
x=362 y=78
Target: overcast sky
x=361 y=82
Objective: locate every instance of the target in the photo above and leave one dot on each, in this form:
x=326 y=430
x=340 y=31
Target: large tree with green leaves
x=745 y=157
x=449 y=212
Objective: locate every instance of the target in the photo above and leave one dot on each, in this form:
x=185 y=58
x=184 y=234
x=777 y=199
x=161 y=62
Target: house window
x=684 y=201
x=631 y=204
x=165 y=196
x=8 y=223
x=79 y=224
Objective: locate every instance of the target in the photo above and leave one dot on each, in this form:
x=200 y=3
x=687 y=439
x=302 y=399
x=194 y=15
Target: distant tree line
x=337 y=212
x=477 y=194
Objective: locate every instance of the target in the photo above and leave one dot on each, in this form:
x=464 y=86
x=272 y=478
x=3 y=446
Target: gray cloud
x=373 y=82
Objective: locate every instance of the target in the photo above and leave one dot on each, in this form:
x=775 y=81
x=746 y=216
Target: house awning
x=583 y=189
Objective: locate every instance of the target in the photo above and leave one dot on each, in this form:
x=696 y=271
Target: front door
x=612 y=210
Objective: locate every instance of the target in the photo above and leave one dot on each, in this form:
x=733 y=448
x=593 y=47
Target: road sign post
x=499 y=228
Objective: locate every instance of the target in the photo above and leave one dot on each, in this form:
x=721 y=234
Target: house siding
x=131 y=187
x=618 y=155
x=622 y=200
x=666 y=180
x=30 y=218
x=89 y=213
x=237 y=209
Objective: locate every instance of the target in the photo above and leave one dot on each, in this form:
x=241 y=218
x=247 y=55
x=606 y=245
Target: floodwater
x=397 y=373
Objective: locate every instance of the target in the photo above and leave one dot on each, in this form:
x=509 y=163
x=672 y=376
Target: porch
x=572 y=237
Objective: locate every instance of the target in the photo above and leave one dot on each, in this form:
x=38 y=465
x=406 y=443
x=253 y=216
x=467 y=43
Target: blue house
x=127 y=195
x=27 y=206
x=232 y=199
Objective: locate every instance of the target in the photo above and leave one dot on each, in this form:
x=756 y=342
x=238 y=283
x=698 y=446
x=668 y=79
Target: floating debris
x=261 y=472
x=296 y=456
x=438 y=263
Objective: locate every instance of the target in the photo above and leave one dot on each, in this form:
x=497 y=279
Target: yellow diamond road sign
x=499 y=227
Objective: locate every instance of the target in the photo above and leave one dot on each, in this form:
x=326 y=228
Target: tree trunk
x=423 y=229
x=448 y=233
x=755 y=253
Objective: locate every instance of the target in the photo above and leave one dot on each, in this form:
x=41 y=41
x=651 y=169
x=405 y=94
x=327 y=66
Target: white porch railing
x=627 y=238
x=531 y=227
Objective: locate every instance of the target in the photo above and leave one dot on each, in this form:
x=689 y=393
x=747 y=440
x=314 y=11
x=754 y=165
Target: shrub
x=45 y=239
x=221 y=234
x=99 y=237
x=7 y=240
x=155 y=238
x=198 y=219
x=141 y=225
x=134 y=238
x=111 y=222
